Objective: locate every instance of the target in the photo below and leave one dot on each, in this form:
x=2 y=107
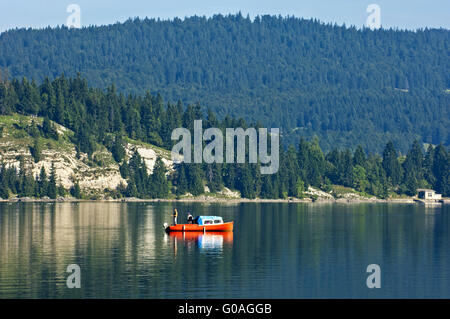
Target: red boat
x=202 y=224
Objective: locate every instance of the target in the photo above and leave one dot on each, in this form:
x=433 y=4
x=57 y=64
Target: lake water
x=277 y=250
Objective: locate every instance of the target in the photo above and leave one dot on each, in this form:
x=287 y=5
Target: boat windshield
x=208 y=220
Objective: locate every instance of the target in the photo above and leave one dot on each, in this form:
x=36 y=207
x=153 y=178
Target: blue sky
x=404 y=14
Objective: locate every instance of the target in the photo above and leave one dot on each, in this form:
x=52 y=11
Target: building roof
x=426 y=190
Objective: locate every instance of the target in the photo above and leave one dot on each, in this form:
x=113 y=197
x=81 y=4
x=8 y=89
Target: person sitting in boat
x=190 y=218
x=195 y=221
x=175 y=215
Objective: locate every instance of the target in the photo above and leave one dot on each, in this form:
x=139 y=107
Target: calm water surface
x=281 y=250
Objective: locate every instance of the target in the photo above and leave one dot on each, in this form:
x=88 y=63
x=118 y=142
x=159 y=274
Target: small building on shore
x=428 y=194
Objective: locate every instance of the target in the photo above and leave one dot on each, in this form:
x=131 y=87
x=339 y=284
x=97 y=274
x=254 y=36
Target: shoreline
x=206 y=199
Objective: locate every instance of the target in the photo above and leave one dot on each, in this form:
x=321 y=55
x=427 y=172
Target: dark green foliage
x=117 y=150
x=131 y=190
x=194 y=175
x=181 y=181
x=109 y=117
x=391 y=164
x=75 y=191
x=85 y=141
x=214 y=178
x=36 y=150
x=23 y=184
x=124 y=170
x=359 y=178
x=158 y=180
x=413 y=169
x=142 y=185
x=311 y=161
x=42 y=182
x=33 y=130
x=138 y=185
x=4 y=191
x=52 y=190
x=441 y=169
x=48 y=129
x=343 y=84
x=249 y=180
x=359 y=157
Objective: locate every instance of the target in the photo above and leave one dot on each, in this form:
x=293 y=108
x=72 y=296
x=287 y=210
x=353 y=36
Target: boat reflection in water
x=206 y=241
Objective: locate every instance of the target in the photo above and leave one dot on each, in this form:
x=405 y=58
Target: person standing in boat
x=175 y=215
x=190 y=218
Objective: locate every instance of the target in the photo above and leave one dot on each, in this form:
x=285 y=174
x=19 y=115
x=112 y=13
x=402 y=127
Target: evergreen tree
x=131 y=189
x=391 y=164
x=195 y=179
x=360 y=181
x=43 y=182
x=160 y=186
x=413 y=169
x=36 y=150
x=214 y=177
x=52 y=191
x=48 y=129
x=75 y=190
x=118 y=151
x=182 y=182
x=359 y=157
x=441 y=168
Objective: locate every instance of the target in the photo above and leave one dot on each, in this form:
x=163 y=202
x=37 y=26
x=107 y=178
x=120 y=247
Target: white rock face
x=318 y=192
x=229 y=193
x=149 y=156
x=69 y=168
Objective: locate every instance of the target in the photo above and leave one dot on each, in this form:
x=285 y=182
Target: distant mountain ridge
x=346 y=86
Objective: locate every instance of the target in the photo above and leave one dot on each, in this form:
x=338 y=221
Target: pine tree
x=195 y=179
x=36 y=150
x=391 y=164
x=43 y=182
x=413 y=169
x=214 y=177
x=267 y=188
x=131 y=189
x=124 y=170
x=159 y=183
x=359 y=157
x=52 y=188
x=428 y=165
x=48 y=129
x=182 y=182
x=75 y=190
x=117 y=150
x=359 y=178
x=4 y=191
x=441 y=169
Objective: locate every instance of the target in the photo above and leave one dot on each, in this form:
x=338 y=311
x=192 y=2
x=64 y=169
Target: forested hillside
x=346 y=86
x=106 y=119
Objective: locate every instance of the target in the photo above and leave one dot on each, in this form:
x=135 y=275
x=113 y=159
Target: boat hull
x=201 y=228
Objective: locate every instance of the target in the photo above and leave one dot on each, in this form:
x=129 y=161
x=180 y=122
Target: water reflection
x=285 y=250
x=204 y=241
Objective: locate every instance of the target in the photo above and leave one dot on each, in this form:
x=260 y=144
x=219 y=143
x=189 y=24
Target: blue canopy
x=204 y=220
